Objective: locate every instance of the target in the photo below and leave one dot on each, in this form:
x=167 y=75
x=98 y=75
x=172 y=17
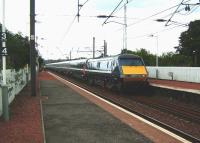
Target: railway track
x=172 y=108
x=130 y=106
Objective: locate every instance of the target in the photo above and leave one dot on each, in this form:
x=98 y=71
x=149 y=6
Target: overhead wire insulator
x=187 y=8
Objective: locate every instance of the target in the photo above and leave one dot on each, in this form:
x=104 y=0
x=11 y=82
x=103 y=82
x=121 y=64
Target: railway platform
x=176 y=85
x=70 y=117
x=74 y=115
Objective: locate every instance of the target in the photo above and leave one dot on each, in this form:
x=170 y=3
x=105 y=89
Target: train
x=115 y=72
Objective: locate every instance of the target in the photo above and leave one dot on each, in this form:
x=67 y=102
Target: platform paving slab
x=71 y=118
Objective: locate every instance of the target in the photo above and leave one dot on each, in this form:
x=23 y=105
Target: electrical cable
x=68 y=29
x=123 y=5
x=148 y=17
x=84 y=3
x=145 y=35
x=112 y=12
x=171 y=14
x=70 y=25
x=174 y=13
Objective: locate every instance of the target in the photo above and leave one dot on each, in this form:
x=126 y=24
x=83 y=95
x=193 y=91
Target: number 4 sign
x=4 y=51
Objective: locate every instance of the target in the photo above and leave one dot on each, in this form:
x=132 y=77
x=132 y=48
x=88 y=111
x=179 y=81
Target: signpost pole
x=3 y=50
x=5 y=98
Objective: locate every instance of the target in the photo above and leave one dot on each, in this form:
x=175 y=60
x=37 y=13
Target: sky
x=58 y=31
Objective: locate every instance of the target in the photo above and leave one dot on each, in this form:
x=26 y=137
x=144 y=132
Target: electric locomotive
x=124 y=70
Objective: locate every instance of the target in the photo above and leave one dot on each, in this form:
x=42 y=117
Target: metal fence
x=188 y=74
x=16 y=81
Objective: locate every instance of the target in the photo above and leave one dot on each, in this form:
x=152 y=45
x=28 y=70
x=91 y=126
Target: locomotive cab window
x=130 y=62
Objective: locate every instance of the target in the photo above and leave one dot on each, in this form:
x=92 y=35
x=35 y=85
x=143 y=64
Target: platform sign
x=3 y=44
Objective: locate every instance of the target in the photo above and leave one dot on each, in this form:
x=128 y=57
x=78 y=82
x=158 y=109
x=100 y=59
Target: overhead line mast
x=79 y=8
x=32 y=48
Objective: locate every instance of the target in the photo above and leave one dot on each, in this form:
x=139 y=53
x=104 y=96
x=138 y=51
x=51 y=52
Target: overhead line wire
x=153 y=15
x=171 y=13
x=112 y=12
x=140 y=36
x=150 y=16
x=70 y=25
x=68 y=29
x=123 y=5
x=85 y=2
x=174 y=13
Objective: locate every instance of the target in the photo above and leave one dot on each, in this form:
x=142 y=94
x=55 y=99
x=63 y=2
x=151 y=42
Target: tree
x=18 y=48
x=149 y=59
x=41 y=62
x=174 y=59
x=189 y=42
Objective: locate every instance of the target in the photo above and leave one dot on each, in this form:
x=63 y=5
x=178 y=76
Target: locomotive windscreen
x=130 y=62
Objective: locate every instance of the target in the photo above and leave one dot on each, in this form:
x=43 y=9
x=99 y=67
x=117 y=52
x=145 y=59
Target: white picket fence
x=16 y=81
x=188 y=74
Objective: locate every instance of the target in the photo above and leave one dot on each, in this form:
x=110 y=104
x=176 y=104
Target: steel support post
x=32 y=48
x=5 y=102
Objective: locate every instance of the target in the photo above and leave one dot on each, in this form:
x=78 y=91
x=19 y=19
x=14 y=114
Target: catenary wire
x=145 y=35
x=112 y=12
x=148 y=17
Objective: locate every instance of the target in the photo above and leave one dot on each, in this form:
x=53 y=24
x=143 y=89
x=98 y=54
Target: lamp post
x=156 y=36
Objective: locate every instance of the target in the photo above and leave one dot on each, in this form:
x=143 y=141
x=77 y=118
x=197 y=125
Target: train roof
x=96 y=59
x=115 y=57
x=69 y=61
x=128 y=56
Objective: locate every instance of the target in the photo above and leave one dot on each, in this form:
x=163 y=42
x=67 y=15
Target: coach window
x=103 y=65
x=108 y=66
x=112 y=65
x=94 y=65
x=98 y=65
x=89 y=65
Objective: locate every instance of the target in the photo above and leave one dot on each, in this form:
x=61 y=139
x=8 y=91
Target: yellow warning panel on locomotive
x=134 y=70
